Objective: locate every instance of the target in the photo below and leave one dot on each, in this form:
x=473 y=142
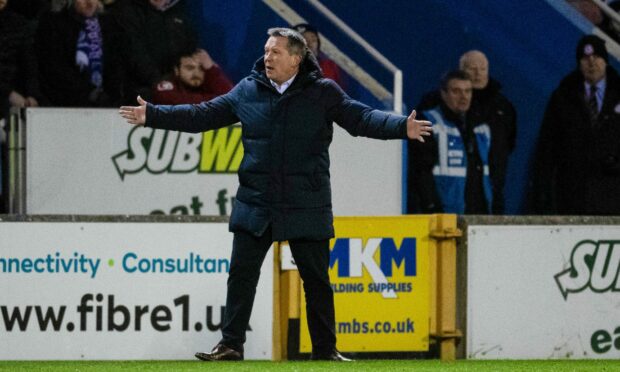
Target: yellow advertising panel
x=379 y=269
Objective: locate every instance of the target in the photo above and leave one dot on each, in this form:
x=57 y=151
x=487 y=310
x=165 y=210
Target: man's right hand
x=135 y=115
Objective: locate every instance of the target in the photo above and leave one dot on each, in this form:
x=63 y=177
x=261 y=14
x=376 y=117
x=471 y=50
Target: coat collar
x=309 y=71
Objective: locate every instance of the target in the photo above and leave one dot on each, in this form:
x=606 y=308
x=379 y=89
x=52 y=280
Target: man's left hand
x=417 y=129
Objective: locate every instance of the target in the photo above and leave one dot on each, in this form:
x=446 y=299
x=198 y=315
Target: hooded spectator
x=329 y=68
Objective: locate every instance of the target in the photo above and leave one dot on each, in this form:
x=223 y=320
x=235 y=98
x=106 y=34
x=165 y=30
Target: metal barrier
x=585 y=26
x=16 y=144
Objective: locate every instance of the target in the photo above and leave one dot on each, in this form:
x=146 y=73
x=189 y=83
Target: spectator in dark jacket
x=287 y=110
x=78 y=56
x=19 y=86
x=196 y=78
x=157 y=34
x=490 y=106
x=329 y=68
x=30 y=9
x=578 y=161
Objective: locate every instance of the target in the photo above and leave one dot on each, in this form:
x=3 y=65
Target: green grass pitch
x=363 y=365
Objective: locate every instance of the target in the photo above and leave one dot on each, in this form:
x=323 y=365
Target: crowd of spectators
x=462 y=167
x=96 y=53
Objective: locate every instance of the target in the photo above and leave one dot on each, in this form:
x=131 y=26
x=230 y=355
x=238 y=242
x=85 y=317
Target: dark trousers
x=312 y=259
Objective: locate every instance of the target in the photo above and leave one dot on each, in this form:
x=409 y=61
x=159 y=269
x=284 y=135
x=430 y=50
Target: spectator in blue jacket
x=450 y=172
x=490 y=106
x=287 y=110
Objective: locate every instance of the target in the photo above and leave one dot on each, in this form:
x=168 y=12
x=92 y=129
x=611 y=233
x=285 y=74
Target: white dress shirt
x=282 y=88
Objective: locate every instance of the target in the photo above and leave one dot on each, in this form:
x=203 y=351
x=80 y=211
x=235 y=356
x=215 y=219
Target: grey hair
x=452 y=75
x=296 y=43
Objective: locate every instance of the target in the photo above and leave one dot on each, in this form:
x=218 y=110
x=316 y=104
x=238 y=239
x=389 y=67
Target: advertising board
x=538 y=292
x=120 y=291
x=379 y=269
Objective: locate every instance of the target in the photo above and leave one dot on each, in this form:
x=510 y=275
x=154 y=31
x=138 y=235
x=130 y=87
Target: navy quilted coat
x=284 y=175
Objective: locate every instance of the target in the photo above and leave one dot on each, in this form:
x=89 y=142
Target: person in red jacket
x=196 y=79
x=330 y=68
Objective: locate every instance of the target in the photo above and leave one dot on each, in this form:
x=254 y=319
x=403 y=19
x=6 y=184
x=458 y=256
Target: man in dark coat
x=287 y=110
x=489 y=105
x=578 y=161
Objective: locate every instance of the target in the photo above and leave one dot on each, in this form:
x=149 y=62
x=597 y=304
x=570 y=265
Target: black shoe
x=333 y=356
x=220 y=352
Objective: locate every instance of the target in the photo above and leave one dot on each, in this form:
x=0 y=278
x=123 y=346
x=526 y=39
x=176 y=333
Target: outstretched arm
x=213 y=114
x=361 y=120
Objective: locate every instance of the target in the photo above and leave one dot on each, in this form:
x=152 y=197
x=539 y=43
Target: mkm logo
x=351 y=256
x=159 y=151
x=594 y=265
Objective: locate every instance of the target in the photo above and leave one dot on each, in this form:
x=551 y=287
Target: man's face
x=190 y=72
x=280 y=65
x=593 y=68
x=159 y=4
x=313 y=42
x=86 y=8
x=457 y=95
x=476 y=66
x=3 y=4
